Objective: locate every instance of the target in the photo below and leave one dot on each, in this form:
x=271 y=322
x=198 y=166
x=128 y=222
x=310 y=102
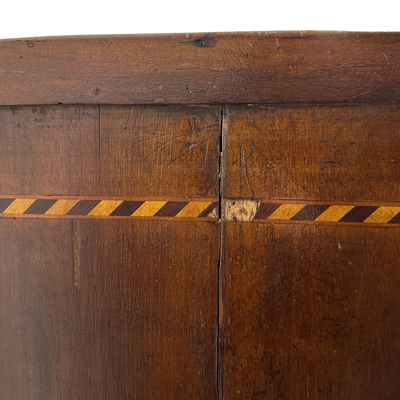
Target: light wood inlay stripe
x=61 y=207
x=105 y=207
x=383 y=215
x=19 y=206
x=193 y=210
x=148 y=208
x=286 y=211
x=334 y=213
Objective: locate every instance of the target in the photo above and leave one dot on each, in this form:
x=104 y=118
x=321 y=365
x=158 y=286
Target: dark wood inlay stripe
x=83 y=207
x=40 y=206
x=171 y=209
x=395 y=219
x=358 y=214
x=266 y=209
x=4 y=204
x=208 y=210
x=310 y=212
x=126 y=208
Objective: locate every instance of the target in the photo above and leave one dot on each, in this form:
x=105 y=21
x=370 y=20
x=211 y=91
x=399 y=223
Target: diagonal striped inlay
x=19 y=206
x=171 y=208
x=126 y=208
x=334 y=213
x=83 y=207
x=76 y=207
x=265 y=210
x=149 y=208
x=210 y=211
x=67 y=207
x=310 y=212
x=40 y=206
x=395 y=219
x=193 y=209
x=383 y=214
x=286 y=211
x=4 y=204
x=61 y=207
x=105 y=207
x=358 y=214
x=350 y=213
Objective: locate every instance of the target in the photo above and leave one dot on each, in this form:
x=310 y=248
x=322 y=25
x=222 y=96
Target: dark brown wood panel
x=49 y=150
x=160 y=151
x=348 y=153
x=144 y=151
x=108 y=309
x=310 y=312
x=202 y=68
x=39 y=310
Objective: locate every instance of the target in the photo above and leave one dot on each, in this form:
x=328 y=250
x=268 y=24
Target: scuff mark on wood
x=241 y=210
x=330 y=162
x=76 y=243
x=244 y=157
x=205 y=41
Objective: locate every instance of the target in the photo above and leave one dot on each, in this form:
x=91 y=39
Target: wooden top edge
x=201 y=68
x=141 y=36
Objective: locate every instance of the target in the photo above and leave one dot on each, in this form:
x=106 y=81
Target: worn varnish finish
x=308 y=288
x=159 y=151
x=203 y=69
x=108 y=309
x=110 y=151
x=310 y=312
x=348 y=153
x=100 y=306
x=162 y=238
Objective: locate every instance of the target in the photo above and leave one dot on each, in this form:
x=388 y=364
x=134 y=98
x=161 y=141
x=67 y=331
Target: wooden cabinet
x=200 y=216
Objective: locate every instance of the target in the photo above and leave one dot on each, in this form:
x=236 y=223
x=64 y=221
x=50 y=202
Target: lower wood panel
x=310 y=312
x=116 y=309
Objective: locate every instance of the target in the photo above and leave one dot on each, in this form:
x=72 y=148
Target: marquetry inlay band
x=329 y=213
x=78 y=207
x=74 y=207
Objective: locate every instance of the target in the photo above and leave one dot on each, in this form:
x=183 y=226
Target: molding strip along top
x=218 y=30
x=224 y=68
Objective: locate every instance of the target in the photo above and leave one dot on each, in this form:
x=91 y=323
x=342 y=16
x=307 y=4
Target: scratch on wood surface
x=378 y=76
x=127 y=120
x=244 y=157
x=277 y=42
x=387 y=59
x=330 y=162
x=241 y=210
x=76 y=239
x=189 y=148
x=161 y=146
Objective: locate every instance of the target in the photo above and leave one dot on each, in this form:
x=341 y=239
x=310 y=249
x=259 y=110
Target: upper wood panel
x=346 y=153
x=125 y=151
x=198 y=68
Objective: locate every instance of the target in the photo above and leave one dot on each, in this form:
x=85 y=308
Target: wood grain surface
x=147 y=151
x=264 y=67
x=310 y=312
x=108 y=309
x=204 y=216
x=159 y=151
x=348 y=153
